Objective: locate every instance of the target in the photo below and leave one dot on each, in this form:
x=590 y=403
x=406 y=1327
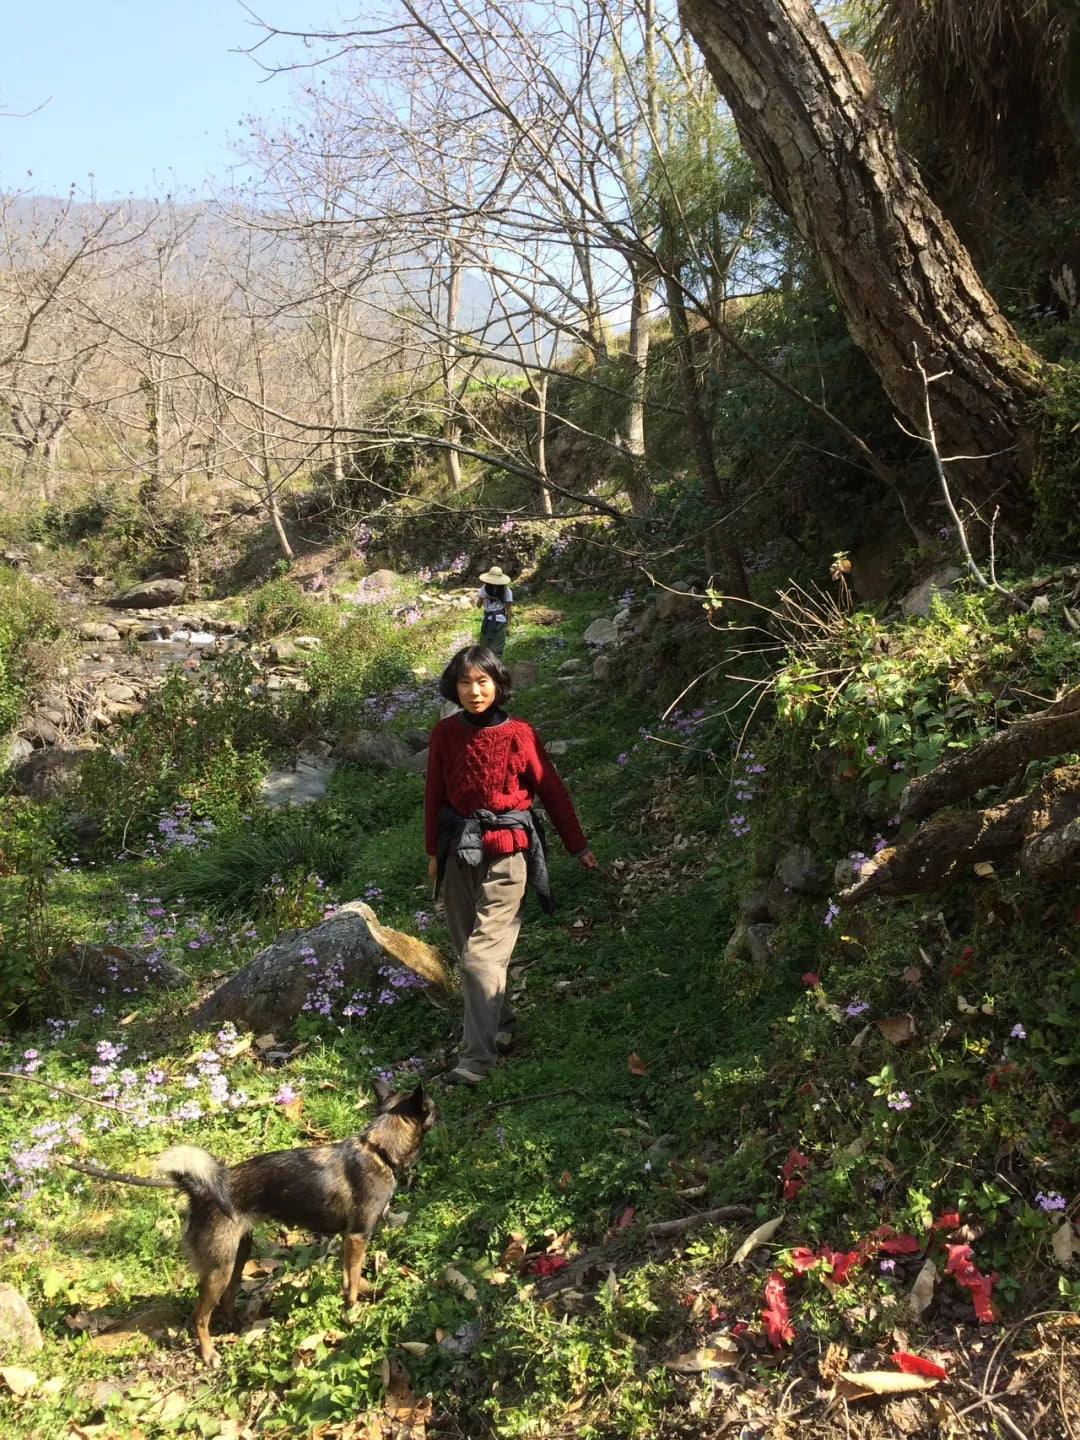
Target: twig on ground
x=99 y=1173
x=999 y=1411
x=59 y=1090
x=661 y=1228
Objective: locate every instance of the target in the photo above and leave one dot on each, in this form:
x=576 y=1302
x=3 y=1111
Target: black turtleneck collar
x=492 y=716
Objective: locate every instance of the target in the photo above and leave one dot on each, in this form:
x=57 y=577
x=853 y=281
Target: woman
x=485 y=844
x=497 y=600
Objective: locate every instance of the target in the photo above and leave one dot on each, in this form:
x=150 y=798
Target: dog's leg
x=212 y=1286
x=352 y=1264
x=228 y=1300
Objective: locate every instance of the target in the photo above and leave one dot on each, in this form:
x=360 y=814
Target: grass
x=693 y=1078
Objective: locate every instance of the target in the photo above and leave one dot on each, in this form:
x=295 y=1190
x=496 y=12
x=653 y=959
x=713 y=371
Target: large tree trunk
x=639 y=484
x=827 y=148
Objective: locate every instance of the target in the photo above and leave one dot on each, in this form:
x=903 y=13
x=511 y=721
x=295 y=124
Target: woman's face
x=476 y=691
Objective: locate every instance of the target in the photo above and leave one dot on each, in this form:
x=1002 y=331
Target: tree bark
x=639 y=485
x=826 y=146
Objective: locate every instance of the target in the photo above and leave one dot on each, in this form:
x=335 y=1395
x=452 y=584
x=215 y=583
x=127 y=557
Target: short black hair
x=475 y=657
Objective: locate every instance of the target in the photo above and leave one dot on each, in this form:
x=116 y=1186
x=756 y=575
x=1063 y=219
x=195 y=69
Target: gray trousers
x=484 y=904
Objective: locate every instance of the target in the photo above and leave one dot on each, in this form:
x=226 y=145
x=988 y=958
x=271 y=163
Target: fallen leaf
x=897 y=1029
x=294 y=1109
x=18 y=1380
x=513 y=1255
x=454 y=1277
x=416 y=1348
x=1066 y=1245
x=857 y=1385
x=565 y=1179
x=256 y=1332
x=984 y=869
x=760 y=1236
x=636 y=1065
x=832 y=1363
x=265 y=1042
x=778 y=1327
x=706 y=1357
x=912 y=975
x=916 y=1365
x=922 y=1292
x=310 y=1343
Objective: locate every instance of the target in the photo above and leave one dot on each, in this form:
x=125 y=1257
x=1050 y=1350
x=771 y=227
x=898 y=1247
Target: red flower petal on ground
x=792 y=1188
x=889 y=1243
x=949 y=1221
x=916 y=1365
x=626 y=1218
x=811 y=979
x=971 y=1277
x=548 y=1264
x=778 y=1327
x=803 y=1259
x=843 y=1263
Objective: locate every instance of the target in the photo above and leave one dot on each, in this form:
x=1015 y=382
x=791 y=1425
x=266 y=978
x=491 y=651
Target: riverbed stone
x=94 y=630
x=150 y=595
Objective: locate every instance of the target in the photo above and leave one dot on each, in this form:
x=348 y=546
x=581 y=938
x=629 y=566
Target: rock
x=14 y=751
x=448 y=708
x=307 y=642
x=571 y=667
x=269 y=993
x=754 y=906
x=765 y=859
x=282 y=650
x=738 y=942
x=54 y=717
x=18 y=1328
x=119 y=691
x=417 y=764
x=87 y=970
x=379 y=580
x=675 y=600
x=368 y=747
x=542 y=615
x=524 y=674
x=803 y=871
x=761 y=944
x=919 y=599
x=783 y=902
x=647 y=621
x=49 y=774
x=417 y=740
x=602 y=633
x=17 y=559
x=37 y=728
x=844 y=874
x=302 y=785
x=89 y=630
x=601 y=668
x=150 y=595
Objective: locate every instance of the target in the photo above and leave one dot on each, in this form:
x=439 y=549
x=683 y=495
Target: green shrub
x=32 y=644
x=370 y=652
x=281 y=606
x=203 y=748
x=242 y=870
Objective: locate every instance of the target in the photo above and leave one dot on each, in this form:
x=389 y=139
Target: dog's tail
x=203 y=1179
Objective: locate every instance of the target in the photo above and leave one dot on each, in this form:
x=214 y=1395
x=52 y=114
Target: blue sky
x=143 y=94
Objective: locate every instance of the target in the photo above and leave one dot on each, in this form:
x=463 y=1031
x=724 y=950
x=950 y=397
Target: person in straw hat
x=497 y=600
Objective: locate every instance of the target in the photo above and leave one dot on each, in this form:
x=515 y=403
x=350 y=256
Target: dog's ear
x=415 y=1103
x=384 y=1093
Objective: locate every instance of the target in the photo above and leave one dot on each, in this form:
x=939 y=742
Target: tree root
x=1056 y=731
x=1040 y=830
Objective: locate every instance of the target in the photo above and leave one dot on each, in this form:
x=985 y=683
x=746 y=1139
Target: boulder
x=301 y=784
x=647 y=621
x=524 y=674
x=601 y=668
x=417 y=740
x=738 y=942
x=783 y=901
x=544 y=615
x=307 y=642
x=37 y=729
x=85 y=971
x=761 y=944
x=754 y=907
x=18 y=1328
x=49 y=774
x=802 y=870
x=571 y=667
x=119 y=692
x=919 y=599
x=602 y=633
x=150 y=595
x=368 y=747
x=14 y=751
x=675 y=600
x=90 y=630
x=417 y=764
x=350 y=946
x=282 y=650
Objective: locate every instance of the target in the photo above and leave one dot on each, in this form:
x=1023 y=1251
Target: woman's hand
x=433 y=868
x=588 y=861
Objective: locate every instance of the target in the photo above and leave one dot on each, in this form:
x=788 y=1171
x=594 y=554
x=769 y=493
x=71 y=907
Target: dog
x=341 y=1189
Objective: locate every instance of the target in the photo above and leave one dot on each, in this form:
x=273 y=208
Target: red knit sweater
x=500 y=767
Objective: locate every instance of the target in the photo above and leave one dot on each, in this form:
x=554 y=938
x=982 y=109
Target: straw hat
x=495 y=576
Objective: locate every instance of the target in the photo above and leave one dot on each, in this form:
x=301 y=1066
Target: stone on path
x=271 y=991
x=18 y=1328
